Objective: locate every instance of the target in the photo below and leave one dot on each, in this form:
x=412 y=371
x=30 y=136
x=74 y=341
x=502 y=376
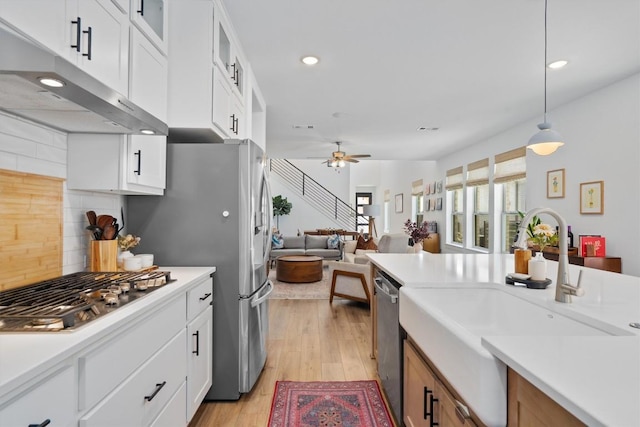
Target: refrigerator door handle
x=256 y=300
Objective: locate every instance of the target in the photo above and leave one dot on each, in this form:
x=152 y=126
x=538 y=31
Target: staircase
x=315 y=194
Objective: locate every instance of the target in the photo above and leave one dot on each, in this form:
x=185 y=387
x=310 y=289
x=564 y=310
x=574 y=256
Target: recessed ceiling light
x=147 y=132
x=310 y=60
x=557 y=64
x=51 y=82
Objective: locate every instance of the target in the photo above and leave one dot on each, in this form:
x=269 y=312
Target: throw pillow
x=366 y=244
x=350 y=246
x=333 y=241
x=277 y=242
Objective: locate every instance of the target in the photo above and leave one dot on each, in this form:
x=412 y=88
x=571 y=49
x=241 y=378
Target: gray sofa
x=307 y=245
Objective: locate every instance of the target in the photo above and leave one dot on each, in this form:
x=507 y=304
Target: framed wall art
x=439 y=186
x=592 y=197
x=399 y=203
x=439 y=204
x=555 y=184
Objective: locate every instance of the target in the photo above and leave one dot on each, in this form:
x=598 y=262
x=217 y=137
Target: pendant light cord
x=545 y=61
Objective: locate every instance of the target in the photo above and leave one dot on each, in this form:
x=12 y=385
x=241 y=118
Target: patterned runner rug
x=328 y=404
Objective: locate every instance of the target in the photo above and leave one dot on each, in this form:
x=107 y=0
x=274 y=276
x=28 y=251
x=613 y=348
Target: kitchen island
x=595 y=378
x=83 y=374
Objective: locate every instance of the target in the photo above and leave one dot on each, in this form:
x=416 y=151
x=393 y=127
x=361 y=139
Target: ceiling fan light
x=341 y=163
x=546 y=141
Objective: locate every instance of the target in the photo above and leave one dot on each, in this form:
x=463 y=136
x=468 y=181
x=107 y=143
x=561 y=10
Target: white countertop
x=24 y=356
x=595 y=378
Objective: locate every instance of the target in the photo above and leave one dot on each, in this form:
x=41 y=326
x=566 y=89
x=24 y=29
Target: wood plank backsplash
x=30 y=228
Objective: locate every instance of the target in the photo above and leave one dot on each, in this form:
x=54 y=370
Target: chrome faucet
x=564 y=288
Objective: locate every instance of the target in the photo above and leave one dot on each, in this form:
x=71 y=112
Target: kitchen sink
x=448 y=324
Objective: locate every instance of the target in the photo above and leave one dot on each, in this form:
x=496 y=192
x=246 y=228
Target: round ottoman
x=299 y=268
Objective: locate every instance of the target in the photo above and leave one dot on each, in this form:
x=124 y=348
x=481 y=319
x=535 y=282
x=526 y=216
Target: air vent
x=426 y=129
x=303 y=126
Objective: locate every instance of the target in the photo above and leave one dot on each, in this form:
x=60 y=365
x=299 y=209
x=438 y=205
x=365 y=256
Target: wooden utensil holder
x=104 y=255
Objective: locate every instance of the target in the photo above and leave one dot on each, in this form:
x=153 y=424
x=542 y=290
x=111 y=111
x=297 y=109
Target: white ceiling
x=468 y=67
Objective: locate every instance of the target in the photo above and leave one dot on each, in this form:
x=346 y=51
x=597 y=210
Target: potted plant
x=281 y=206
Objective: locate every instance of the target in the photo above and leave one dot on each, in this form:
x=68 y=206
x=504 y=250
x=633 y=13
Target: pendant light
x=546 y=141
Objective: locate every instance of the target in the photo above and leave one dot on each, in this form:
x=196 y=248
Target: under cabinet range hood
x=82 y=104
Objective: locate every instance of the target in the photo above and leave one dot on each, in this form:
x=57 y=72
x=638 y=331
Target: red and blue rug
x=328 y=404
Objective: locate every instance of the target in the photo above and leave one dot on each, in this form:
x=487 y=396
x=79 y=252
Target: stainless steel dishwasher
x=390 y=336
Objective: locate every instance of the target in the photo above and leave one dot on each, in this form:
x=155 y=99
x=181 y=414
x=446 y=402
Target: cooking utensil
x=91 y=216
x=97 y=231
x=104 y=220
x=109 y=232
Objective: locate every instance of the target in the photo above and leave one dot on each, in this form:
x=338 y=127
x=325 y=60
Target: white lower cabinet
x=52 y=399
x=173 y=413
x=200 y=334
x=139 y=400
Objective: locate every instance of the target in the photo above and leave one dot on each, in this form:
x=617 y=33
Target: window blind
x=510 y=165
x=416 y=188
x=454 y=178
x=478 y=173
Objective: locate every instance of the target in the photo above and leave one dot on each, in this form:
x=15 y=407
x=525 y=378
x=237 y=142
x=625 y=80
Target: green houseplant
x=281 y=206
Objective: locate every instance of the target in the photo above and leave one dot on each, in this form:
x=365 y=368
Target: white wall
x=602 y=142
x=303 y=216
x=27 y=147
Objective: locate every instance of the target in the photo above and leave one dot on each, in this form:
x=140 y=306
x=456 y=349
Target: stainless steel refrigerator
x=217 y=211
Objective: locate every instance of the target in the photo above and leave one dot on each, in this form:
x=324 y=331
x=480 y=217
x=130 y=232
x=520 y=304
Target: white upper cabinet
x=151 y=17
x=120 y=164
x=149 y=76
x=92 y=34
x=207 y=71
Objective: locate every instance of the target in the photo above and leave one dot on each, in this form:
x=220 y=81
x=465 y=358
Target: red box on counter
x=592 y=246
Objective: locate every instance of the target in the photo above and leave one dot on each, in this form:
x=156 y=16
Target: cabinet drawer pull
x=88 y=33
x=462 y=412
x=197 y=350
x=432 y=421
x=139 y=154
x=425 y=396
x=77 y=22
x=141 y=10
x=233 y=123
x=45 y=422
x=158 y=388
x=207 y=295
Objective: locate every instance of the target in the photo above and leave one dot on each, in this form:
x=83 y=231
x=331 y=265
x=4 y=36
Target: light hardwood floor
x=309 y=340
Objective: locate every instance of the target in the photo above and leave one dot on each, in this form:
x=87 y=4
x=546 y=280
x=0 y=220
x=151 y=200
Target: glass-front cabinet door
x=150 y=16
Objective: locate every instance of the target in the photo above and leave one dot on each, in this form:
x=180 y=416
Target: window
x=513 y=201
x=481 y=216
x=362 y=221
x=510 y=182
x=455 y=197
x=387 y=203
x=478 y=183
x=457 y=216
x=417 y=201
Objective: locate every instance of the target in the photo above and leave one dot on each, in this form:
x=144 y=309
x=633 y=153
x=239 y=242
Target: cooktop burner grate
x=74 y=299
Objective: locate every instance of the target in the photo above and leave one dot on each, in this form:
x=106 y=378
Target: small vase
x=538 y=267
x=121 y=256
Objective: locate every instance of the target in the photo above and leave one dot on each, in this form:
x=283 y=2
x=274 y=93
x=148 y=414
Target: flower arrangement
x=417 y=233
x=544 y=235
x=127 y=242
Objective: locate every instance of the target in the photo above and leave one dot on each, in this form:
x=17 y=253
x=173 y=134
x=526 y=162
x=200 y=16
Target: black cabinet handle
x=233 y=123
x=432 y=422
x=88 y=33
x=425 y=412
x=234 y=73
x=77 y=22
x=197 y=350
x=207 y=295
x=42 y=424
x=139 y=154
x=156 y=391
x=141 y=10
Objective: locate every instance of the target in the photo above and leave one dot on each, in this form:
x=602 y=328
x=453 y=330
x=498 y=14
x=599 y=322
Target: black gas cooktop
x=70 y=301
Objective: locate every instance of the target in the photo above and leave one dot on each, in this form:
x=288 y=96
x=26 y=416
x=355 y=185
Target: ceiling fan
x=339 y=158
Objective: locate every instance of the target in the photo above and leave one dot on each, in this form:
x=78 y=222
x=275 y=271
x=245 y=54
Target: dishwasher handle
x=378 y=284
